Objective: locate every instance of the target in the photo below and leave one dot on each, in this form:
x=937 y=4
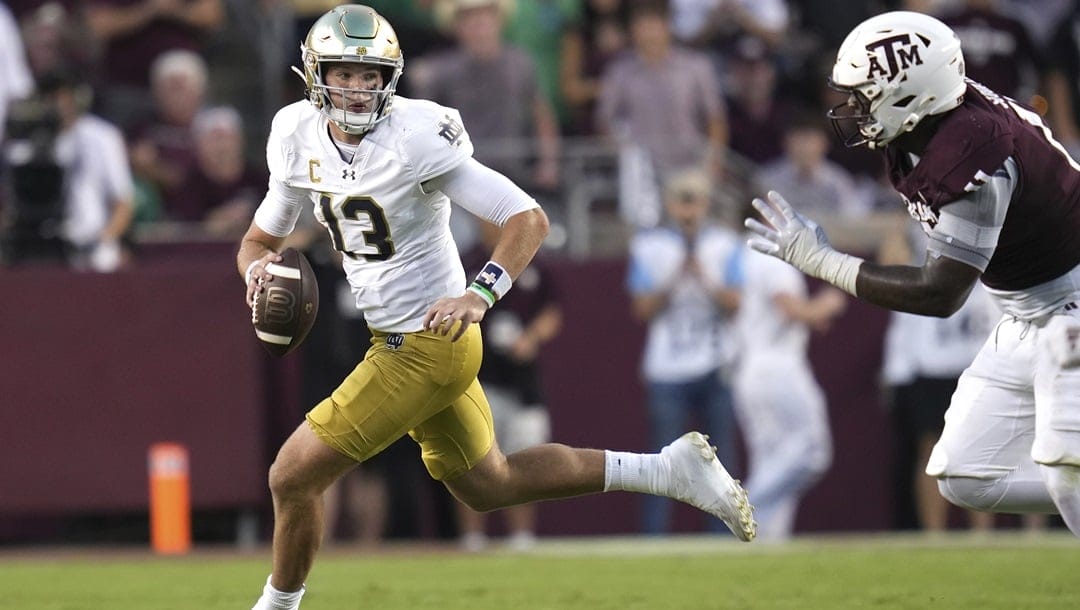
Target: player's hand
x=258 y=274
x=460 y=311
x=789 y=235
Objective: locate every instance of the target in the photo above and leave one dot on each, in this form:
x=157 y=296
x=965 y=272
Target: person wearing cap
x=682 y=288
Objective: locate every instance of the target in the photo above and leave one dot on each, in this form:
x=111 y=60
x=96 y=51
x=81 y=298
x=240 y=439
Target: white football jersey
x=398 y=253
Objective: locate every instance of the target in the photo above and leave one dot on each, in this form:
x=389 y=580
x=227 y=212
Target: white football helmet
x=896 y=68
x=351 y=33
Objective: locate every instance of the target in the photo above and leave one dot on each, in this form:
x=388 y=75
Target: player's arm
x=274 y=220
x=495 y=198
x=521 y=238
x=816 y=311
x=938 y=288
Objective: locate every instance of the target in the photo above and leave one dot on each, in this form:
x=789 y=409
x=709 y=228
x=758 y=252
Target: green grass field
x=956 y=572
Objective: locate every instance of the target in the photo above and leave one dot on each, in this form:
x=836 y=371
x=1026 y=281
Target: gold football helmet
x=351 y=33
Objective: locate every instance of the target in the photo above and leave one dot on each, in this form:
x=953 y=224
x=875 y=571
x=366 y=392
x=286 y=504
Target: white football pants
x=1012 y=432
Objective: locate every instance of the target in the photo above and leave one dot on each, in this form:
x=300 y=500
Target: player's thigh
x=456 y=438
x=990 y=422
x=305 y=462
x=404 y=380
x=1057 y=392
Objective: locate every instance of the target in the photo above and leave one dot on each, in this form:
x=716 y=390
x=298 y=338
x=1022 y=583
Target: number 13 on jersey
x=357 y=226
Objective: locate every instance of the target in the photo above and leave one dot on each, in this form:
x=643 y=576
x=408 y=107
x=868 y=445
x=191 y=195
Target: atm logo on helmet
x=897 y=52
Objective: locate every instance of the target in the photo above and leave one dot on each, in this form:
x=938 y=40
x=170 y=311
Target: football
x=285 y=310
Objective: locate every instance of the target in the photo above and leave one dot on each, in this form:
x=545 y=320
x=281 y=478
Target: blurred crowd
x=133 y=120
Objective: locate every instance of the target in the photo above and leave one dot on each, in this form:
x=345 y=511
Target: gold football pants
x=418 y=383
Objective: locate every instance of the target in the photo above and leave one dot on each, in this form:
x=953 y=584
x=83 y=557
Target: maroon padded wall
x=96 y=368
x=93 y=369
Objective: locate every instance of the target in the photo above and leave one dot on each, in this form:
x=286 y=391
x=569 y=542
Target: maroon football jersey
x=1040 y=239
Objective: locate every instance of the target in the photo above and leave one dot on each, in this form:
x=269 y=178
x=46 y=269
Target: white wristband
x=247 y=273
x=495 y=279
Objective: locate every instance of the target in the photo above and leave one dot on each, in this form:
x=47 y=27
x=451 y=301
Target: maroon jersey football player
x=999 y=199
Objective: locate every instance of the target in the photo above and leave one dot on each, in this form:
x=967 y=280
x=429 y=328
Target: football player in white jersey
x=381 y=172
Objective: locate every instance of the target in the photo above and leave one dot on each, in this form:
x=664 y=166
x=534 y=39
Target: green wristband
x=484 y=293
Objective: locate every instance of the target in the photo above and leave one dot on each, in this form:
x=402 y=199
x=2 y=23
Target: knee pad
x=971 y=493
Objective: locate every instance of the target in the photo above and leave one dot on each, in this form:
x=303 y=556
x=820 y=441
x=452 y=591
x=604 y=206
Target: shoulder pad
x=970 y=145
x=433 y=138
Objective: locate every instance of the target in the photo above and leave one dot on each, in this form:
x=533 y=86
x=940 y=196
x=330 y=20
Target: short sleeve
x=437 y=143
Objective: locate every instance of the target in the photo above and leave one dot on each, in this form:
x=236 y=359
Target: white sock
x=640 y=472
x=272 y=599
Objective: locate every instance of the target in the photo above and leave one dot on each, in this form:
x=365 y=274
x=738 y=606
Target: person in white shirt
x=680 y=286
x=382 y=171
x=785 y=425
x=98 y=189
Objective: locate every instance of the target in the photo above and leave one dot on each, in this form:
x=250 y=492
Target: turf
x=1011 y=573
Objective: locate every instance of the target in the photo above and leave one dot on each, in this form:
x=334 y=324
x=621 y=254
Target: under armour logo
x=348 y=173
x=898 y=52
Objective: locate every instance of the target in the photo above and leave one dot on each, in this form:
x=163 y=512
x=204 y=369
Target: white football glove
x=792 y=237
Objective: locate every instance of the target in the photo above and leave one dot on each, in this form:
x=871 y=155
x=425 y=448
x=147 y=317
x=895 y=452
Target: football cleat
x=699 y=479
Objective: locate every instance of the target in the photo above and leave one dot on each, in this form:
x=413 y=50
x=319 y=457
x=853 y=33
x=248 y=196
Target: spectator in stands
x=756 y=115
x=514 y=335
x=539 y=28
x=134 y=35
x=1061 y=82
x=825 y=189
x=596 y=40
x=222 y=189
x=663 y=106
x=785 y=425
x=1042 y=17
x=163 y=150
x=98 y=188
x=495 y=87
x=56 y=37
x=682 y=286
x=998 y=52
x=15 y=79
x=766 y=20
